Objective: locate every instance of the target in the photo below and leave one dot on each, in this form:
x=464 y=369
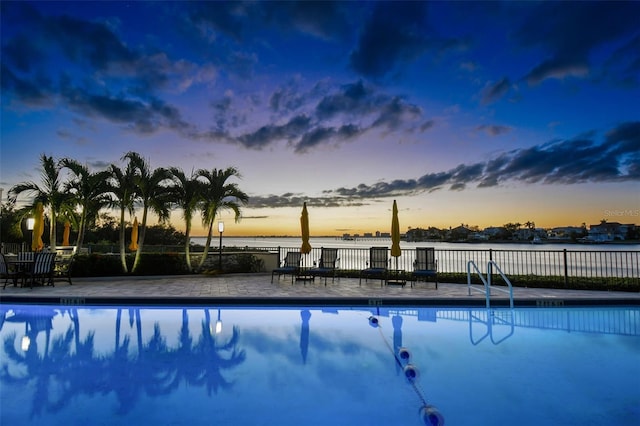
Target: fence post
x=566 y=269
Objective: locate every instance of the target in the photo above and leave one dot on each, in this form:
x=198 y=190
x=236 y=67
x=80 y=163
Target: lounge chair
x=290 y=266
x=42 y=271
x=326 y=265
x=377 y=266
x=425 y=265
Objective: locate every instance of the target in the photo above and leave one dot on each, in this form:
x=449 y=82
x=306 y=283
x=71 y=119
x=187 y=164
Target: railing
x=601 y=320
x=487 y=283
x=563 y=267
x=568 y=268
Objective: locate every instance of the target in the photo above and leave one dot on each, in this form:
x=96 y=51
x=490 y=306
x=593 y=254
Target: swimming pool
x=317 y=366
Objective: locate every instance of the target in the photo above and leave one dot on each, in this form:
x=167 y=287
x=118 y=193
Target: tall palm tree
x=186 y=194
x=219 y=195
x=122 y=185
x=50 y=194
x=151 y=192
x=89 y=192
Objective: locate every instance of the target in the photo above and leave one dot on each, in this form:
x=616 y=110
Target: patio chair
x=377 y=266
x=26 y=256
x=327 y=264
x=7 y=272
x=62 y=267
x=42 y=271
x=425 y=265
x=290 y=266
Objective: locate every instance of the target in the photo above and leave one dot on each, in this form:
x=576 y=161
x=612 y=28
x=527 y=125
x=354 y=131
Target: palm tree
x=89 y=191
x=49 y=194
x=219 y=195
x=123 y=186
x=187 y=194
x=151 y=192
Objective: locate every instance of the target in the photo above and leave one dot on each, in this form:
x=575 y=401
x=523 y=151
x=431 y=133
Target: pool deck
x=238 y=289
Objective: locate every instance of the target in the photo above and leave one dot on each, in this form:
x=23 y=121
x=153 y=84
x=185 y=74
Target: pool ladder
x=487 y=282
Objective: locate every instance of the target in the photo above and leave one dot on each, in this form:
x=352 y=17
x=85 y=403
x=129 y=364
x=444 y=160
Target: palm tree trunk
x=52 y=232
x=187 y=247
x=206 y=246
x=82 y=229
x=143 y=229
x=123 y=257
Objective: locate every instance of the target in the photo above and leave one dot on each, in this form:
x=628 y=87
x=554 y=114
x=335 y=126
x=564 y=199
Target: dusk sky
x=464 y=112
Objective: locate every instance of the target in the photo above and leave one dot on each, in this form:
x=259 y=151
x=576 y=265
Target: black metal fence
x=566 y=266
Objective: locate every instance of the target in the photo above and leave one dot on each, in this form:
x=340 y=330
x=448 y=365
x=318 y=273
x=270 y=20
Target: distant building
x=460 y=233
x=609 y=231
x=566 y=232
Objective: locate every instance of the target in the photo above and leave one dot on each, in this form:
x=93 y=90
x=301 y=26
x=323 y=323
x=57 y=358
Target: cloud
x=493 y=92
x=322 y=19
x=561 y=162
x=270 y=133
x=321 y=117
x=397 y=32
x=142 y=116
x=623 y=66
x=33 y=92
x=571 y=32
x=493 y=130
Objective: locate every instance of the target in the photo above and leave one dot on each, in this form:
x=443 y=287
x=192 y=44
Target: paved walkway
x=257 y=288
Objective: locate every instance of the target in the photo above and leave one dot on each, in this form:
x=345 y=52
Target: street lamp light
x=30 y=223
x=221 y=230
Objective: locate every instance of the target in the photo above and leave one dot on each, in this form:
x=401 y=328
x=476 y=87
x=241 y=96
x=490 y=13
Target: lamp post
x=221 y=230
x=30 y=223
x=1 y=246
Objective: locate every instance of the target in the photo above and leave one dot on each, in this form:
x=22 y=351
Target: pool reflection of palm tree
x=148 y=371
x=73 y=367
x=208 y=353
x=47 y=369
x=184 y=369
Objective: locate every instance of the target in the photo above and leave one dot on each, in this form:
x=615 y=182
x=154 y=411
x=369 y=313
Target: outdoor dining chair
x=62 y=267
x=6 y=271
x=290 y=266
x=425 y=265
x=43 y=267
x=327 y=264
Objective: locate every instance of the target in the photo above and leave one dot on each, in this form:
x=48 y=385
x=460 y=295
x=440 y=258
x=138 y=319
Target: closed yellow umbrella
x=134 y=235
x=395 y=233
x=38 y=229
x=304 y=224
x=66 y=233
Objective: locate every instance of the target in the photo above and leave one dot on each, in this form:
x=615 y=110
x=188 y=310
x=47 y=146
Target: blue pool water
x=318 y=366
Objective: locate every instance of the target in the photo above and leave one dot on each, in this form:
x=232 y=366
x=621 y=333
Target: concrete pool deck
x=257 y=288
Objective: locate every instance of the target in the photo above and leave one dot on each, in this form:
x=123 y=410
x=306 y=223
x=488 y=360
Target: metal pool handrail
x=487 y=282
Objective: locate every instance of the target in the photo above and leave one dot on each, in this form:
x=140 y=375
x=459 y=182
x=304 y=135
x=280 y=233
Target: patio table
x=396 y=277
x=20 y=267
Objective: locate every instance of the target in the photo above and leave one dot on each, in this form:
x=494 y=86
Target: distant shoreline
x=543 y=242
